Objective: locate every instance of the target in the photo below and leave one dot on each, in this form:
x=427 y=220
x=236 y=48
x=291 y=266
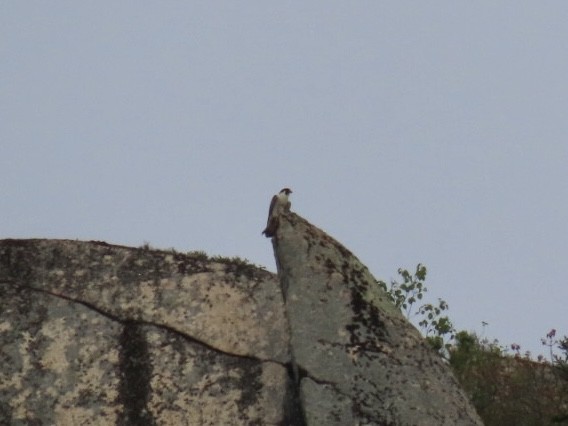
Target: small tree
x=560 y=364
x=405 y=295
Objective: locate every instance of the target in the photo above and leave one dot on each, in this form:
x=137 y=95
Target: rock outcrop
x=96 y=334
x=357 y=360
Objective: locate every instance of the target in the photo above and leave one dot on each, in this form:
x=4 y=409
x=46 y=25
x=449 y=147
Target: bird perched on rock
x=278 y=205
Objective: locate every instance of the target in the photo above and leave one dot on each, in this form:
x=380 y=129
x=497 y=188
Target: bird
x=278 y=205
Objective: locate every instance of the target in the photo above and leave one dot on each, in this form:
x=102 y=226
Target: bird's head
x=286 y=191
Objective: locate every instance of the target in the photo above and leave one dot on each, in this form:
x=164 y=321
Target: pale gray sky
x=433 y=132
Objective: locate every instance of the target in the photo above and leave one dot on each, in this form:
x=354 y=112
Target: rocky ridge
x=98 y=334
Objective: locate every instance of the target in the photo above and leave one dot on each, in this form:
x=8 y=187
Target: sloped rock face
x=357 y=360
x=93 y=334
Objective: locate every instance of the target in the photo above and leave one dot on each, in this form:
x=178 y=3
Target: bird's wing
x=272 y=205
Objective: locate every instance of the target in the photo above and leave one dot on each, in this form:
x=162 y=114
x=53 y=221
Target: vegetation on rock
x=506 y=388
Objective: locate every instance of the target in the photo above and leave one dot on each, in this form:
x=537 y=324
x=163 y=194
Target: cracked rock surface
x=358 y=361
x=94 y=334
x=98 y=334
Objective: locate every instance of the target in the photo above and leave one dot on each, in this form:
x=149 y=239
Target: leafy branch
x=405 y=295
